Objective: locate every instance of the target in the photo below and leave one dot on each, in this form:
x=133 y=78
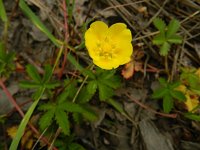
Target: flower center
x=106 y=49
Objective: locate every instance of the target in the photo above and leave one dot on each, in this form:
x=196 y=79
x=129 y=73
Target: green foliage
x=39 y=82
x=192 y=116
x=104 y=81
x=59 y=111
x=3 y=12
x=191 y=79
x=68 y=143
x=6 y=61
x=168 y=93
x=167 y=35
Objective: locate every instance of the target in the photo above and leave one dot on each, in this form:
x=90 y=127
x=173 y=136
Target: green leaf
x=3 y=12
x=178 y=95
x=176 y=39
x=47 y=106
x=167 y=103
x=159 y=93
x=172 y=28
x=159 y=24
x=48 y=73
x=159 y=39
x=51 y=85
x=105 y=92
x=46 y=119
x=192 y=116
x=84 y=95
x=72 y=107
x=28 y=84
x=92 y=87
x=174 y=85
x=33 y=73
x=75 y=146
x=164 y=49
x=2 y=51
x=163 y=82
x=62 y=119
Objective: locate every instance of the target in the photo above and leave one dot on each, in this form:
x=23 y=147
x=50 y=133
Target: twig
x=150 y=109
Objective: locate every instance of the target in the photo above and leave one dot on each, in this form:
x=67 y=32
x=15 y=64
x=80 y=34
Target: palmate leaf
x=62 y=119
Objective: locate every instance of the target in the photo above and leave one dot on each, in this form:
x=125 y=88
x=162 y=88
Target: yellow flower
x=109 y=47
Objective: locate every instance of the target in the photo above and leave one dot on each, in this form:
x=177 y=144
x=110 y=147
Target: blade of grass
x=24 y=122
x=3 y=12
x=38 y=23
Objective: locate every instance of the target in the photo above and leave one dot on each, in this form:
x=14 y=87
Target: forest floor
x=141 y=124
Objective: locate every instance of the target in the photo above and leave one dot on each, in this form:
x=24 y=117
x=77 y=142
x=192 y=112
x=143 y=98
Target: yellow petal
x=119 y=32
x=107 y=64
x=191 y=103
x=94 y=35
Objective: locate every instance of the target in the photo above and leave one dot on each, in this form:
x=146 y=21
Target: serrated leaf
x=159 y=93
x=113 y=82
x=105 y=92
x=176 y=39
x=172 y=28
x=47 y=106
x=48 y=73
x=84 y=95
x=164 y=49
x=159 y=39
x=62 y=119
x=92 y=87
x=33 y=73
x=46 y=119
x=178 y=95
x=167 y=103
x=159 y=24
x=28 y=84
